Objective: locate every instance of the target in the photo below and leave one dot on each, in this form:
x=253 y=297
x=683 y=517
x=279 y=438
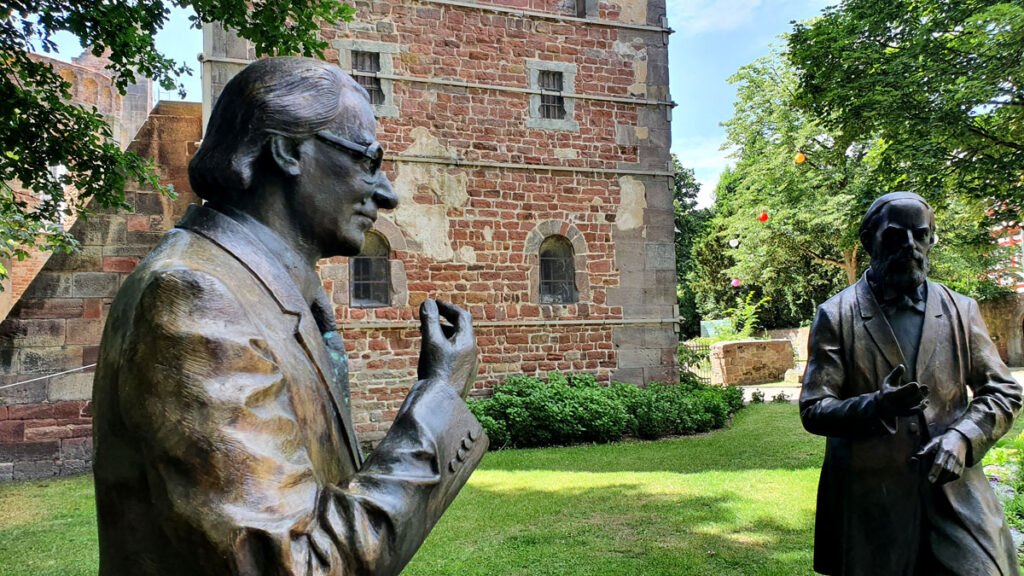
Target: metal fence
x=696 y=360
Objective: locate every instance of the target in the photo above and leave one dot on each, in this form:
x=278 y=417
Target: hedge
x=526 y=411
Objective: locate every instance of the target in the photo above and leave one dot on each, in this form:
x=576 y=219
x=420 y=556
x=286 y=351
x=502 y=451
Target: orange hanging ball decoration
x=762 y=217
x=799 y=158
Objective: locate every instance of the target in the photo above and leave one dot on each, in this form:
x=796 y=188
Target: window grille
x=363 y=64
x=557 y=271
x=370 y=274
x=551 y=105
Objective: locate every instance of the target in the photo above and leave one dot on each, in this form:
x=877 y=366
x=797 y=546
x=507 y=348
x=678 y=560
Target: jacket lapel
x=876 y=324
x=931 y=329
x=245 y=247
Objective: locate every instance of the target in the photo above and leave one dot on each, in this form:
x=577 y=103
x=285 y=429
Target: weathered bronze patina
x=891 y=360
x=224 y=440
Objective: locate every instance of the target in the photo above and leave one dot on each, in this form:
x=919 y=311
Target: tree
x=939 y=82
x=813 y=185
x=65 y=153
x=690 y=222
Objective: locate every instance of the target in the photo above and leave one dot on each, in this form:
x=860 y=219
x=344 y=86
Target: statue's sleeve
x=997 y=395
x=226 y=454
x=824 y=407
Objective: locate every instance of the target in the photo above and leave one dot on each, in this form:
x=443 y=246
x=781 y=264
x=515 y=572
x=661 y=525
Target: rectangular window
x=552 y=106
x=365 y=66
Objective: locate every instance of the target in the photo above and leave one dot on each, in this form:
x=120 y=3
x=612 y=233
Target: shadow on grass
x=615 y=530
x=761 y=436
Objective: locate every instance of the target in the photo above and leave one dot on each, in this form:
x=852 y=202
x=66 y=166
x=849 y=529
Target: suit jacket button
x=912 y=427
x=451 y=465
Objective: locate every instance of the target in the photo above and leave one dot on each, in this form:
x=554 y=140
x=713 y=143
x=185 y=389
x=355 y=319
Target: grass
x=739 y=501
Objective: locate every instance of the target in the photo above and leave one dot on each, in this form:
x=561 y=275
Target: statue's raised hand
x=449 y=352
x=895 y=399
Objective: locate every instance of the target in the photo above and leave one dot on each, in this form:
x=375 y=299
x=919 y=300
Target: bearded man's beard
x=904 y=271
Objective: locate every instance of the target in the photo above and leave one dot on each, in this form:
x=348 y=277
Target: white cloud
x=693 y=17
x=706 y=159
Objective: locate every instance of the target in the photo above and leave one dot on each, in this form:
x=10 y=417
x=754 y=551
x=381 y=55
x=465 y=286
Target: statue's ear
x=865 y=240
x=286 y=154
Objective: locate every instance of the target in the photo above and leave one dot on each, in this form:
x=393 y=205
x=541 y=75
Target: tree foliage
x=939 y=82
x=808 y=247
x=690 y=223
x=65 y=153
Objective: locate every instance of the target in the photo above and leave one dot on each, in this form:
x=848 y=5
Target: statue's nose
x=384 y=195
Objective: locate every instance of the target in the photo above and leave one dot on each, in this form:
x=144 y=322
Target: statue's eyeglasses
x=373 y=151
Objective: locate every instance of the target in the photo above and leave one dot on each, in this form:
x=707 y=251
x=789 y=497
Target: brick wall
x=45 y=425
x=750 y=361
x=481 y=182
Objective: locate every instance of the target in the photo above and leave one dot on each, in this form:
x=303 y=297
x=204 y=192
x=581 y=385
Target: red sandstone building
x=528 y=141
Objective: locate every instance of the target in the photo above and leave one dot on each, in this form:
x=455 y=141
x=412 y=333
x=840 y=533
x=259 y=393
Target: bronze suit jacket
x=869 y=492
x=224 y=443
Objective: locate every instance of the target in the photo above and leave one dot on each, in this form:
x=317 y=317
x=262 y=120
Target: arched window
x=557 y=271
x=370 y=274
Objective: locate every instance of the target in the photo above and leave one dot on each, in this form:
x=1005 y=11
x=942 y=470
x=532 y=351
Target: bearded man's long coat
x=868 y=496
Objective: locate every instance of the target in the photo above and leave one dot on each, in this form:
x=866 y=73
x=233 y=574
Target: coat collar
x=878 y=326
x=234 y=239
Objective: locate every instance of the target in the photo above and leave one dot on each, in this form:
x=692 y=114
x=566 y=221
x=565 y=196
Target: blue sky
x=713 y=39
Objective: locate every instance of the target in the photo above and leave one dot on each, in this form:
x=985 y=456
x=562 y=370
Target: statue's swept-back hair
x=867 y=225
x=292 y=96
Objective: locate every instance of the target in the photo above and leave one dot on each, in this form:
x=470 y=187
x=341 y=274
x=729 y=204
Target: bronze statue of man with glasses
x=223 y=433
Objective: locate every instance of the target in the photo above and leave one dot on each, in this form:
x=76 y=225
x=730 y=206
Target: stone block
x=149 y=203
x=628 y=375
x=96 y=284
x=87 y=258
x=75 y=467
x=76 y=448
x=34 y=469
x=100 y=230
x=69 y=387
x=32 y=332
x=48 y=360
x=12 y=431
x=30 y=393
x=639 y=358
x=47 y=308
x=6 y=472
x=50 y=285
x=84 y=331
x=29 y=451
x=31 y=412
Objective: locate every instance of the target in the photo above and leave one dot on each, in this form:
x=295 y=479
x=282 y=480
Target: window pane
x=371 y=274
x=369 y=63
x=557 y=271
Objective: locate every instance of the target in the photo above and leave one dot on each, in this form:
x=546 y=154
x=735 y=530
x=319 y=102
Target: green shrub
x=526 y=411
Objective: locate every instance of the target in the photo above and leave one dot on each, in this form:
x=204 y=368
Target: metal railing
x=696 y=360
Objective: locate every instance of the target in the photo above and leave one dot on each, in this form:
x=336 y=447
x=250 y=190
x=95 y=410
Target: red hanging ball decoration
x=762 y=217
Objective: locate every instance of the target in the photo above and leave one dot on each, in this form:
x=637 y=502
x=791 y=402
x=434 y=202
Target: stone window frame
x=568 y=71
x=387 y=52
x=338 y=274
x=531 y=249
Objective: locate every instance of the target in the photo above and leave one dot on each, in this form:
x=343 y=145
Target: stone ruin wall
x=747 y=362
x=46 y=425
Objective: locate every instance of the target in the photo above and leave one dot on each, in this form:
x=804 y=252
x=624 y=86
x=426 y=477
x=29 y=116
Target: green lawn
x=738 y=501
